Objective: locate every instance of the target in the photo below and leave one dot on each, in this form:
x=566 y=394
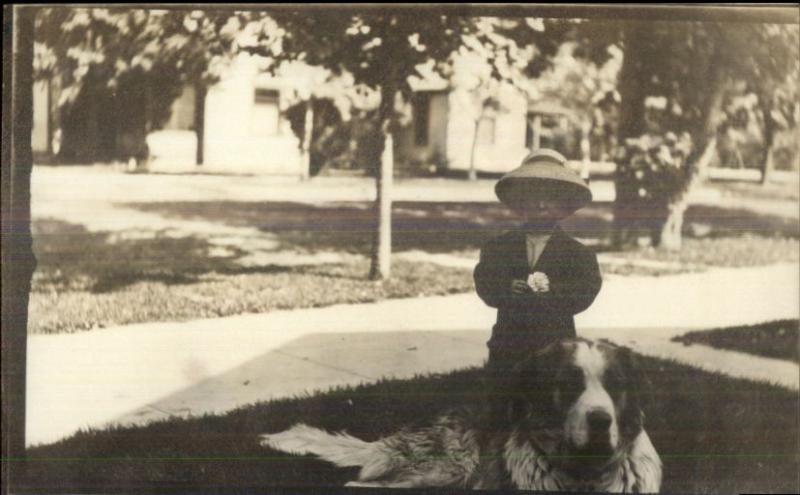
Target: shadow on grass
x=733 y=222
x=70 y=257
x=348 y=227
x=436 y=227
x=74 y=259
x=715 y=435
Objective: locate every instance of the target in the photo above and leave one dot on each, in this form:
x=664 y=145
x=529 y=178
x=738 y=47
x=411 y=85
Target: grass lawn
x=715 y=435
x=84 y=281
x=777 y=339
x=733 y=252
x=87 y=279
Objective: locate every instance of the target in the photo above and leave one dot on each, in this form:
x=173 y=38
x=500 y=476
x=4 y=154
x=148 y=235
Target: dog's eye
x=614 y=382
x=570 y=384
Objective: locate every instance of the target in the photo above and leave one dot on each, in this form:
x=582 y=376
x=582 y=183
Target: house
x=241 y=122
x=449 y=132
x=244 y=128
x=240 y=126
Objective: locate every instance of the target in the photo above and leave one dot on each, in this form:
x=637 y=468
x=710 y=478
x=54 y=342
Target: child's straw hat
x=543 y=175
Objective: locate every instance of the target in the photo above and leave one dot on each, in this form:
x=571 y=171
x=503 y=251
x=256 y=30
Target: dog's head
x=580 y=401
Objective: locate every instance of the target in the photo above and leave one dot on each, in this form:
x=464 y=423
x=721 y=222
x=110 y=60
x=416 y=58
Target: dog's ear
x=638 y=391
x=531 y=393
x=515 y=387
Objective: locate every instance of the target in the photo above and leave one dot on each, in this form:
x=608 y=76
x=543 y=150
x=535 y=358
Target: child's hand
x=520 y=287
x=539 y=282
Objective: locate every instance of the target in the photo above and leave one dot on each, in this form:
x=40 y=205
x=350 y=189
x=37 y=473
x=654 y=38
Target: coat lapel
x=546 y=258
x=549 y=254
x=519 y=253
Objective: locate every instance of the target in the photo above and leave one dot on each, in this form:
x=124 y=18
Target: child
x=536 y=276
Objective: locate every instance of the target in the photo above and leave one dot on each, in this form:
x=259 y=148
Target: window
x=266 y=115
x=421 y=109
x=486 y=130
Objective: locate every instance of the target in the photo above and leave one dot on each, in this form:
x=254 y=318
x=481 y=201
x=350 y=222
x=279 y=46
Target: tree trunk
x=768 y=162
x=382 y=243
x=200 y=120
x=586 y=149
x=472 y=174
x=308 y=127
x=18 y=260
x=537 y=132
x=769 y=142
x=670 y=236
x=631 y=124
x=382 y=246
x=705 y=139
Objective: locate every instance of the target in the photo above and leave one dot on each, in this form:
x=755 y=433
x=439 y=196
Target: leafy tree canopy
x=109 y=48
x=383 y=50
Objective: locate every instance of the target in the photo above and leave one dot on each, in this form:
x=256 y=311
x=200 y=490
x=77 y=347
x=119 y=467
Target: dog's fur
x=572 y=421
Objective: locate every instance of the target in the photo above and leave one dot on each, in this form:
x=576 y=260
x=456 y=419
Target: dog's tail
x=341 y=449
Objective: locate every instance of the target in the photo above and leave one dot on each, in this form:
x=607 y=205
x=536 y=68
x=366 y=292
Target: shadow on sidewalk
x=320 y=362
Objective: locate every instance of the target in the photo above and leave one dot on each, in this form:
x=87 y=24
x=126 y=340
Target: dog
x=570 y=420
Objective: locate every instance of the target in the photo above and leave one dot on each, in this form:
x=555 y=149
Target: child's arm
x=571 y=294
x=492 y=280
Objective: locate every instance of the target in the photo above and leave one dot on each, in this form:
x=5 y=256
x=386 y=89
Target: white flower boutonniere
x=539 y=282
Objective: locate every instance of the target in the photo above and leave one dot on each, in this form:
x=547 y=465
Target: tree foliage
x=83 y=45
x=129 y=64
x=658 y=165
x=693 y=64
x=688 y=67
x=382 y=51
x=577 y=83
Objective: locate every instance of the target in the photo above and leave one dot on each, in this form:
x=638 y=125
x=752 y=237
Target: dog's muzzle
x=597 y=447
x=599 y=423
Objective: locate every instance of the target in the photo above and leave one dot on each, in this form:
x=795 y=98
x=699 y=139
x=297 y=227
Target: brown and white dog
x=574 y=423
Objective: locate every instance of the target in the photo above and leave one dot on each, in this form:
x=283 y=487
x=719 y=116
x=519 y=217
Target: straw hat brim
x=545 y=181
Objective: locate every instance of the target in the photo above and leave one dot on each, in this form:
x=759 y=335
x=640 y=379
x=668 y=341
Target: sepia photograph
x=312 y=248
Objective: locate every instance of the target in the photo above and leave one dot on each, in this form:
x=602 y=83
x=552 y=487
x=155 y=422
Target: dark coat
x=527 y=322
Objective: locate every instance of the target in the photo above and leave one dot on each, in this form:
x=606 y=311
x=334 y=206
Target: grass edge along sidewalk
x=715 y=434
x=776 y=339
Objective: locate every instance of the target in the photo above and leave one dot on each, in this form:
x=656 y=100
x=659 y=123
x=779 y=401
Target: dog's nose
x=598 y=420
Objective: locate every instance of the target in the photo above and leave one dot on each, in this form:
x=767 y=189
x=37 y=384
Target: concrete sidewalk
x=138 y=373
